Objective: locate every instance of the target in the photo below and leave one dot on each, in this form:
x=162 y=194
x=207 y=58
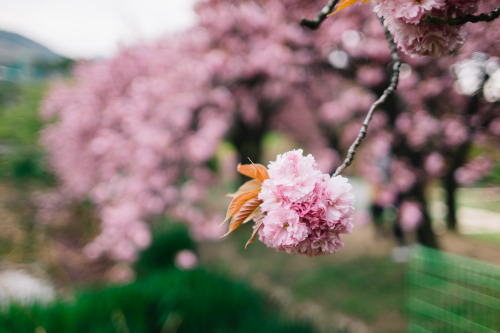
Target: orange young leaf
x=245 y=211
x=346 y=3
x=254 y=171
x=239 y=201
x=250 y=185
x=251 y=216
x=256 y=227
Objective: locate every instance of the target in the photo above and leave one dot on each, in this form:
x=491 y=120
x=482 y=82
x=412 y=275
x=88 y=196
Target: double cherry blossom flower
x=405 y=20
x=296 y=208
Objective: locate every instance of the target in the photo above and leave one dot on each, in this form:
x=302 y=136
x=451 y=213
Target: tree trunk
x=450 y=186
x=459 y=158
x=425 y=234
x=247 y=140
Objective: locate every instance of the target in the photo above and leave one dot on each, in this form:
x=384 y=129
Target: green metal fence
x=448 y=293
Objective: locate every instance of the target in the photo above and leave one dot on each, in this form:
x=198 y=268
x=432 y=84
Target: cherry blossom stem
x=396 y=64
x=485 y=17
x=314 y=24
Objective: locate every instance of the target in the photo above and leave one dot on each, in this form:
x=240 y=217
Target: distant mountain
x=16 y=48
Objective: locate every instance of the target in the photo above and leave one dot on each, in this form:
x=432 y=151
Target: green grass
x=493 y=239
x=20 y=155
x=486 y=198
x=20 y=121
x=365 y=288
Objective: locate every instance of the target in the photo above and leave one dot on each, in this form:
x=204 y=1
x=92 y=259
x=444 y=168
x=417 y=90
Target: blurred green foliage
x=21 y=157
x=9 y=93
x=168 y=301
x=163 y=299
x=58 y=68
x=20 y=122
x=168 y=239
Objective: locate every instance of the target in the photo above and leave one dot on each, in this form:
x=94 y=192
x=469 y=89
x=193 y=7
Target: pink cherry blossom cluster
x=121 y=143
x=305 y=211
x=133 y=134
x=403 y=18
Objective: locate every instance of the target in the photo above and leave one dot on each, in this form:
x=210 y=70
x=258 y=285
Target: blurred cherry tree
x=137 y=134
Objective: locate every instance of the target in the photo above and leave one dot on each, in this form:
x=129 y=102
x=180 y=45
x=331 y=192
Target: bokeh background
x=121 y=125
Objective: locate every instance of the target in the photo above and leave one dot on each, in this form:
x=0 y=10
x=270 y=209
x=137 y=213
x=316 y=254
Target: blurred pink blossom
x=370 y=76
x=403 y=176
x=434 y=164
x=455 y=132
x=410 y=215
x=474 y=170
x=385 y=197
x=186 y=260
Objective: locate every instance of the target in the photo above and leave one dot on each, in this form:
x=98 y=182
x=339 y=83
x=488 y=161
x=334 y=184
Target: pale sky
x=94 y=28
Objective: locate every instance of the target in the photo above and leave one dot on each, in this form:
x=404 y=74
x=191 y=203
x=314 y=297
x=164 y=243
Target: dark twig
x=314 y=24
x=495 y=13
x=396 y=64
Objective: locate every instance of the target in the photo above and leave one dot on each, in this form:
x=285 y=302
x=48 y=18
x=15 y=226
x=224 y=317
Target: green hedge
x=171 y=301
x=163 y=299
x=168 y=239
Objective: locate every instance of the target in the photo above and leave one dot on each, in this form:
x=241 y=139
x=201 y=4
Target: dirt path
x=467 y=247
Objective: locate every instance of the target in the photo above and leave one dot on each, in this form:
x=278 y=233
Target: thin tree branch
x=485 y=17
x=396 y=64
x=314 y=24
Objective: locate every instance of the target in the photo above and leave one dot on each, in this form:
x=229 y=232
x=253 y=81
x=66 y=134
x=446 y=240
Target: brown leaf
x=256 y=227
x=246 y=210
x=239 y=201
x=251 y=216
x=250 y=185
x=253 y=170
x=346 y=3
